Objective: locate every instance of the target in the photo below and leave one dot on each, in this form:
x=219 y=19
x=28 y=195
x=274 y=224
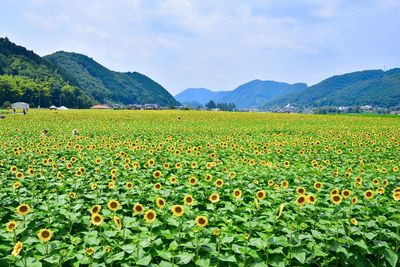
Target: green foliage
x=25 y=76
x=107 y=86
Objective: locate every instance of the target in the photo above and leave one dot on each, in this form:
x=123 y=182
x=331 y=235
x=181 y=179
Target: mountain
x=109 y=86
x=25 y=76
x=253 y=94
x=369 y=87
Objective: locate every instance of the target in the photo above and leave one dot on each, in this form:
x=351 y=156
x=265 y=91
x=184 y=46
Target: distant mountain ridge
x=253 y=94
x=370 y=87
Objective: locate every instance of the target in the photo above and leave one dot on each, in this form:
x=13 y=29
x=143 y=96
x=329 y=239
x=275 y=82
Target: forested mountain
x=109 y=86
x=25 y=76
x=371 y=87
x=253 y=94
x=72 y=80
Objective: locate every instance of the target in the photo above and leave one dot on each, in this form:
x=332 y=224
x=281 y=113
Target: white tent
x=62 y=108
x=53 y=107
x=20 y=105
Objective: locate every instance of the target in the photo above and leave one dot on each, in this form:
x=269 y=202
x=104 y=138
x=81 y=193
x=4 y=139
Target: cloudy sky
x=217 y=44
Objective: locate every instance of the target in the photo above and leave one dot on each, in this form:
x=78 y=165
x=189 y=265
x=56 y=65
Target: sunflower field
x=190 y=188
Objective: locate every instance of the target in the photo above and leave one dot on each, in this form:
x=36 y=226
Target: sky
x=216 y=44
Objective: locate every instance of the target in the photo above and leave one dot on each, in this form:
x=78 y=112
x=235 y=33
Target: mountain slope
x=370 y=87
x=25 y=76
x=109 y=86
x=253 y=94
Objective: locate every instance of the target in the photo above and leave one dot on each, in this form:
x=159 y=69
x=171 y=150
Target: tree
x=211 y=104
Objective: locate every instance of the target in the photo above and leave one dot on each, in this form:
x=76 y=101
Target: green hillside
x=25 y=76
x=109 y=86
x=370 y=87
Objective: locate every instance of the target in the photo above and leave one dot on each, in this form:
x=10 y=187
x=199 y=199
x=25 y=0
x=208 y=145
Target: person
x=24 y=111
x=75 y=132
x=45 y=132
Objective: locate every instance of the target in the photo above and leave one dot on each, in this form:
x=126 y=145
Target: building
x=100 y=107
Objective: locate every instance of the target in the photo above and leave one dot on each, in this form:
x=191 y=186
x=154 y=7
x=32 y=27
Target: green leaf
x=164 y=254
x=227 y=239
x=370 y=235
x=300 y=256
x=391 y=256
x=185 y=258
x=226 y=258
x=144 y=261
x=128 y=248
x=277 y=250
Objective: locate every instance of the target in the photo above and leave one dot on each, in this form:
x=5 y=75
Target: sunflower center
x=202 y=221
x=45 y=234
x=150 y=216
x=23 y=208
x=113 y=205
x=178 y=209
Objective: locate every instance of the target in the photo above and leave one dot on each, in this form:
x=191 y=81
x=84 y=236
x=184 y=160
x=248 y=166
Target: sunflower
x=188 y=200
x=271 y=182
x=72 y=195
x=13 y=169
x=150 y=216
x=375 y=181
x=177 y=210
x=166 y=166
x=336 y=199
x=335 y=191
x=354 y=221
x=237 y=193
x=95 y=209
x=129 y=185
x=300 y=190
x=113 y=172
x=346 y=193
x=113 y=205
x=157 y=186
x=261 y=194
x=89 y=251
x=178 y=165
x=45 y=235
x=156 y=174
x=354 y=200
x=98 y=161
x=138 y=208
x=111 y=185
x=192 y=180
x=214 y=197
x=396 y=196
x=209 y=177
x=219 y=183
x=172 y=180
x=108 y=249
x=93 y=186
x=318 y=186
x=359 y=180
x=19 y=175
x=285 y=184
x=96 y=219
x=385 y=182
x=16 y=185
x=311 y=199
x=201 y=221
x=380 y=190
x=23 y=209
x=369 y=194
x=17 y=249
x=160 y=202
x=118 y=222
x=301 y=200
x=11 y=225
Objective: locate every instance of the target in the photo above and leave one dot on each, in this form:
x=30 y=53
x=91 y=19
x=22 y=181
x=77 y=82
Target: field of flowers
x=171 y=188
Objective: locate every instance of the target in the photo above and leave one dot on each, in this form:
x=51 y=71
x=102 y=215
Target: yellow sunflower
x=160 y=202
x=188 y=200
x=354 y=221
x=150 y=216
x=301 y=200
x=336 y=199
x=138 y=208
x=96 y=219
x=118 y=222
x=214 y=197
x=156 y=174
x=219 y=183
x=311 y=199
x=300 y=190
x=23 y=209
x=89 y=251
x=237 y=193
x=318 y=186
x=95 y=209
x=261 y=194
x=113 y=205
x=354 y=200
x=45 y=235
x=346 y=193
x=369 y=194
x=192 y=180
x=201 y=221
x=11 y=225
x=177 y=210
x=17 y=249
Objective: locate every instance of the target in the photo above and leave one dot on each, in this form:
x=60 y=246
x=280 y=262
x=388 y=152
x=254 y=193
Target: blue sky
x=217 y=44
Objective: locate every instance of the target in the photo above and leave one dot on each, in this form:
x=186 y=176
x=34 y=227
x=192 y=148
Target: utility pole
x=39 y=99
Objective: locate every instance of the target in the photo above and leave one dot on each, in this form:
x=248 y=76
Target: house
x=150 y=106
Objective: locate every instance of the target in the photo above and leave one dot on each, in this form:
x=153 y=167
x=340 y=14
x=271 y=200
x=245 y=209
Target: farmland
x=168 y=188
